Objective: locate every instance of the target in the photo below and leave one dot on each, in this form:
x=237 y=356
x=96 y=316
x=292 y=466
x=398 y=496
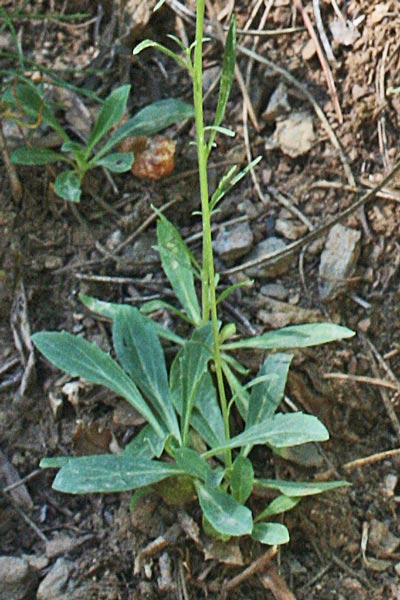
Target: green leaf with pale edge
x=177 y=265
x=231 y=288
x=278 y=506
x=266 y=396
x=35 y=156
x=149 y=121
x=156 y=305
x=239 y=392
x=294 y=336
x=189 y=368
x=110 y=115
x=223 y=512
x=272 y=534
x=192 y=463
x=300 y=488
x=80 y=358
x=118 y=162
x=158 y=5
x=27 y=98
x=54 y=462
x=234 y=364
x=228 y=72
x=163 y=49
x=140 y=353
x=229 y=180
x=242 y=479
x=109 y=310
x=75 y=148
x=206 y=416
x=110 y=473
x=146 y=444
x=280 y=431
x=67 y=185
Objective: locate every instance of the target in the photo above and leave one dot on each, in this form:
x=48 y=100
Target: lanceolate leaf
x=295 y=336
x=118 y=162
x=279 y=431
x=228 y=71
x=155 y=305
x=36 y=107
x=265 y=397
x=110 y=309
x=75 y=148
x=68 y=186
x=151 y=44
x=177 y=265
x=240 y=394
x=80 y=358
x=149 y=121
x=272 y=534
x=278 y=506
x=206 y=416
x=54 y=462
x=193 y=364
x=299 y=488
x=146 y=444
x=35 y=156
x=242 y=479
x=110 y=473
x=140 y=353
x=110 y=115
x=192 y=463
x=223 y=512
x=230 y=179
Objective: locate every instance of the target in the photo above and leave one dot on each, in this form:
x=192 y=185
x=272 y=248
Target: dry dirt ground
x=316 y=162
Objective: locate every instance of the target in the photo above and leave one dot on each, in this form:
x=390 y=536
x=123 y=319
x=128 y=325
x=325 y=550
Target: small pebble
x=17 y=579
x=53 y=262
x=273 y=268
x=338 y=260
x=234 y=242
x=364 y=325
x=290 y=229
x=55 y=582
x=274 y=290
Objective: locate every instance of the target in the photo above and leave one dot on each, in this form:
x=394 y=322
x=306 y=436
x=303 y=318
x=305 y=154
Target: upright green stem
x=209 y=299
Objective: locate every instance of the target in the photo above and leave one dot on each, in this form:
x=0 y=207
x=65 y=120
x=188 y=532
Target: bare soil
x=344 y=545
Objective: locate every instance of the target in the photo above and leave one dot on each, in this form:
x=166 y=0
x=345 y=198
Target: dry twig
x=324 y=64
x=387 y=402
x=381 y=101
x=274 y=582
x=255 y=567
x=370 y=460
x=363 y=379
x=344 y=566
x=321 y=30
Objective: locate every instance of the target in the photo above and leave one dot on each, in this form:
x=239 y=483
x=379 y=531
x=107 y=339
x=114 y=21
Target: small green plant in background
x=98 y=150
x=187 y=444
x=26 y=104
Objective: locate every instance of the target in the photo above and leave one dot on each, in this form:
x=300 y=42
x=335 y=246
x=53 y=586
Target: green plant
x=187 y=445
x=97 y=151
x=26 y=104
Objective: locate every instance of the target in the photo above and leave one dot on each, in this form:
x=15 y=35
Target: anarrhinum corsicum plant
x=187 y=450
x=97 y=151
